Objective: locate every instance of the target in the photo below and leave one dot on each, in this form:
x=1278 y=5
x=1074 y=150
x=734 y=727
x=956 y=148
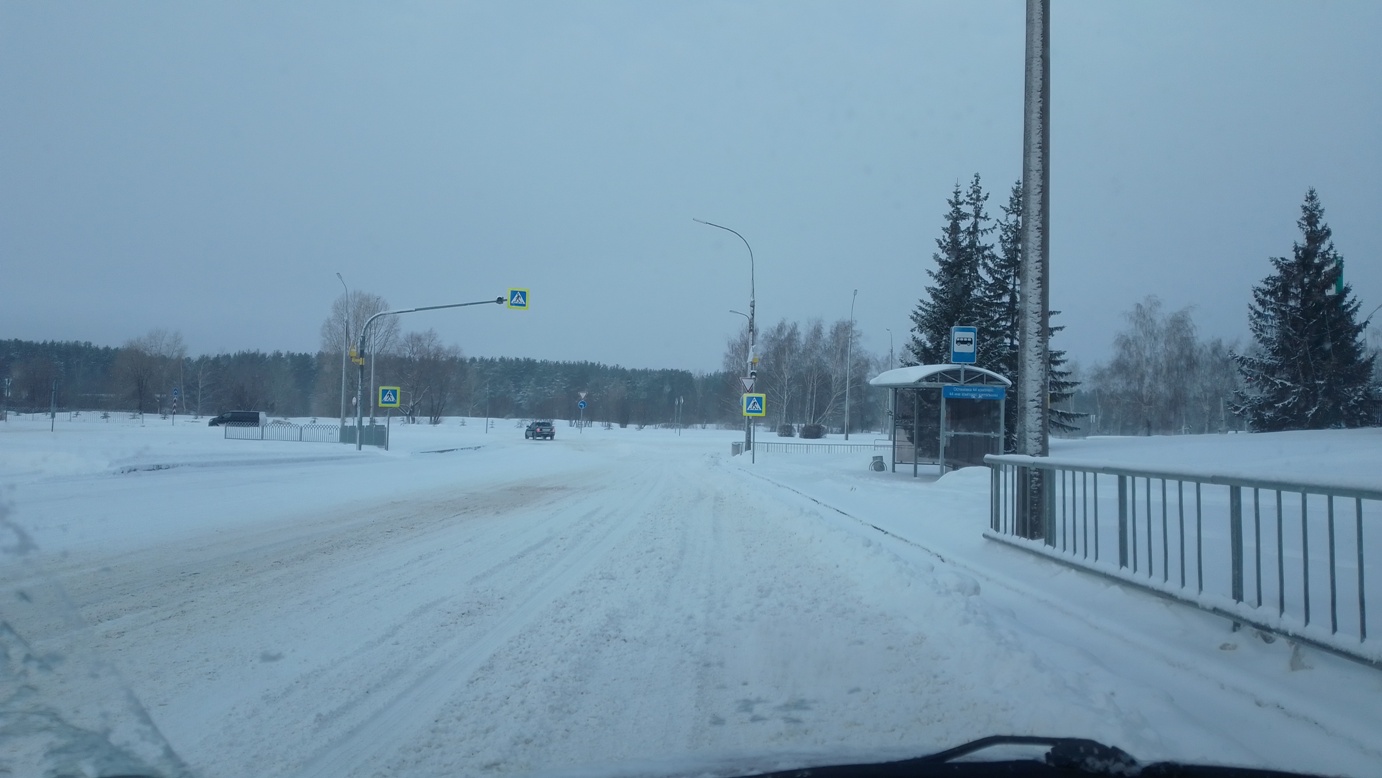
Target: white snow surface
x=634 y=602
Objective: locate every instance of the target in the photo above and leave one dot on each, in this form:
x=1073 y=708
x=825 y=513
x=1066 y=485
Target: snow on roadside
x=1087 y=624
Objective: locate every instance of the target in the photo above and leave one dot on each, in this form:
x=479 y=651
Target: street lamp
x=890 y=348
x=849 y=358
x=360 y=380
x=752 y=371
x=345 y=346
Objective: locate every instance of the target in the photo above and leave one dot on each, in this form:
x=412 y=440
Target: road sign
x=518 y=299
x=974 y=392
x=747 y=383
x=582 y=394
x=755 y=405
x=176 y=393
x=388 y=396
x=964 y=345
x=581 y=405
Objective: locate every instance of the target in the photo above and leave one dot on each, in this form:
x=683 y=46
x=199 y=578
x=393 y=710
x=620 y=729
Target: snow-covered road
x=607 y=600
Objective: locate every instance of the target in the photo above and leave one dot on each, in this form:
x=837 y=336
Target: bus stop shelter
x=953 y=382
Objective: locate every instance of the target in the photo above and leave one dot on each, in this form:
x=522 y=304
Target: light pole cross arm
x=360 y=354
x=365 y=329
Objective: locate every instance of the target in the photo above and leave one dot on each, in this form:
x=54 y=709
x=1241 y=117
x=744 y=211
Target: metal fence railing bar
x=1287 y=557
x=774 y=447
x=284 y=431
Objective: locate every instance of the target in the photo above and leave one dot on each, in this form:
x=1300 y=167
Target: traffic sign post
x=755 y=407
x=580 y=424
x=388 y=396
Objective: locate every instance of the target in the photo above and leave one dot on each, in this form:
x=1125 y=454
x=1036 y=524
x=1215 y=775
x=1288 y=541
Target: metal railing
x=1289 y=558
x=303 y=433
x=777 y=447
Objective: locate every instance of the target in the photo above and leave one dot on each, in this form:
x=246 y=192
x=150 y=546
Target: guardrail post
x=1048 y=495
x=1122 y=521
x=1235 y=531
x=994 y=502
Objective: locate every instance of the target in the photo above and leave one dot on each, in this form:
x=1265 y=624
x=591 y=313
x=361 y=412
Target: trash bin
x=736 y=448
x=877 y=464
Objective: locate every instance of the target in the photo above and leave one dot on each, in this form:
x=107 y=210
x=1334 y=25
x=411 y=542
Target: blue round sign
x=581 y=405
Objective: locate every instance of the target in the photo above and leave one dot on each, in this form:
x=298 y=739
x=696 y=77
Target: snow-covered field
x=473 y=603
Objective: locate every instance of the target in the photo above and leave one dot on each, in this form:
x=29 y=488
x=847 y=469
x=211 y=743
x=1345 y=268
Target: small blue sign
x=518 y=299
x=581 y=405
x=964 y=345
x=176 y=393
x=966 y=392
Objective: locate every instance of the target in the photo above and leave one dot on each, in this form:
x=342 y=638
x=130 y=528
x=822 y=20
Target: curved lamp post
x=360 y=381
x=849 y=358
x=752 y=371
x=345 y=346
x=1368 y=318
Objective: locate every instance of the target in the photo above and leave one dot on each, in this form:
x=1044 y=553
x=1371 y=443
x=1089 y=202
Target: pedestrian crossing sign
x=518 y=299
x=388 y=396
x=755 y=405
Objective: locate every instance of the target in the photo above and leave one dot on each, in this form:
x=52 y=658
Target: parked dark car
x=257 y=418
x=540 y=429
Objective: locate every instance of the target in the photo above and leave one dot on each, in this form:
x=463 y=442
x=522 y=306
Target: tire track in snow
x=607 y=669
x=192 y=622
x=412 y=703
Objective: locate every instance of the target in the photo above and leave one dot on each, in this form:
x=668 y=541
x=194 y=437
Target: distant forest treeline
x=436 y=381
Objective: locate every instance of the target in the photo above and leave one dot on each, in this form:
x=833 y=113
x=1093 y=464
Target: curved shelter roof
x=935 y=376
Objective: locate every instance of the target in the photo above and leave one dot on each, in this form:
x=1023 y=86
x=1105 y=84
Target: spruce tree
x=1001 y=271
x=952 y=299
x=981 y=314
x=1310 y=369
x=976 y=285
x=1001 y=274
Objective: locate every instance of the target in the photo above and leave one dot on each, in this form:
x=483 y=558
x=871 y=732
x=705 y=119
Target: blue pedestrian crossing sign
x=755 y=405
x=388 y=396
x=518 y=299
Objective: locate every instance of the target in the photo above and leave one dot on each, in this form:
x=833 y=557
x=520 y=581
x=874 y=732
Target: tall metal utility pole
x=345 y=346
x=751 y=372
x=849 y=358
x=1033 y=382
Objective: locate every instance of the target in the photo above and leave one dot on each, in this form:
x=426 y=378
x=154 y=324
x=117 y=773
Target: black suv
x=540 y=429
x=254 y=418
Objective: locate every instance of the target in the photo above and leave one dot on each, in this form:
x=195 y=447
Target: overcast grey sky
x=209 y=167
